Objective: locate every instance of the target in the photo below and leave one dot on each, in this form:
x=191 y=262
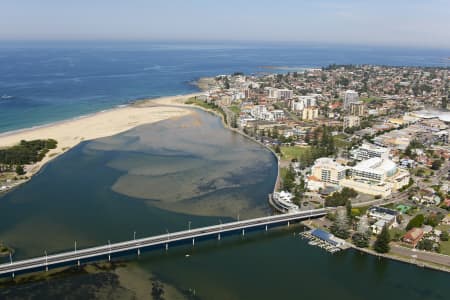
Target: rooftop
x=376 y=165
x=326 y=162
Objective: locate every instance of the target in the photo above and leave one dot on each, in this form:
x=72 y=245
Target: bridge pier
x=46 y=268
x=266 y=227
x=109 y=257
x=243 y=232
x=139 y=251
x=167 y=246
x=193 y=242
x=289 y=223
x=13 y=275
x=218 y=237
x=78 y=263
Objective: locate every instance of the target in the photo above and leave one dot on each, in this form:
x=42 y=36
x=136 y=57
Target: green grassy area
x=369 y=100
x=4 y=176
x=422 y=172
x=341 y=142
x=363 y=210
x=288 y=153
x=445 y=246
x=235 y=109
x=200 y=103
x=396 y=234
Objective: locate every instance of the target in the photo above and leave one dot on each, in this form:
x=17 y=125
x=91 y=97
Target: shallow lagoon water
x=150 y=179
x=160 y=177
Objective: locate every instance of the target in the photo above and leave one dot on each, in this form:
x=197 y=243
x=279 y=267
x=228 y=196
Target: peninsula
x=102 y=124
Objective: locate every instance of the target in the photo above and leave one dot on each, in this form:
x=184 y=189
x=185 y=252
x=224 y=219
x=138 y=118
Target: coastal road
x=421 y=255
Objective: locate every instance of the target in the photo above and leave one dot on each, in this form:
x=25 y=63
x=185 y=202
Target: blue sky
x=424 y=23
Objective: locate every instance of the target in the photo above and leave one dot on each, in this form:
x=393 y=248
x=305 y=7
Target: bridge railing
x=155 y=240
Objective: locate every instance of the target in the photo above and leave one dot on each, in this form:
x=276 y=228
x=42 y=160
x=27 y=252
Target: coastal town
x=369 y=144
x=369 y=140
x=225 y=150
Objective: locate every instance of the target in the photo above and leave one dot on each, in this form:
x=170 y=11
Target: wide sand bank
x=107 y=123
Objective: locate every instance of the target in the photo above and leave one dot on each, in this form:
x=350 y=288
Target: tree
x=416 y=222
x=381 y=245
x=277 y=149
x=20 y=170
x=340 y=198
x=275 y=133
x=226 y=84
x=362 y=236
x=234 y=122
x=444 y=236
x=433 y=219
x=340 y=226
x=348 y=207
x=289 y=179
x=436 y=165
x=425 y=244
x=297 y=196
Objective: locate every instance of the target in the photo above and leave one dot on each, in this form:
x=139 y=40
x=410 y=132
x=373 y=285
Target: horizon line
x=235 y=42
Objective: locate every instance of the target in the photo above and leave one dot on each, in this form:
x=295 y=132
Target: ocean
x=44 y=82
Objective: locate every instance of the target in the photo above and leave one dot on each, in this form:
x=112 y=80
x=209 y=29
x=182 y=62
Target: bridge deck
x=44 y=262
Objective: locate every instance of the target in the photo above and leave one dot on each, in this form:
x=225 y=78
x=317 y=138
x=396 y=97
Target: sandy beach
x=107 y=123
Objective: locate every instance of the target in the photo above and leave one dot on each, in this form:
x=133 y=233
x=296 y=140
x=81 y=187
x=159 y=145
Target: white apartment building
x=351 y=121
x=374 y=169
x=280 y=94
x=278 y=114
x=350 y=97
x=310 y=113
x=259 y=112
x=327 y=170
x=303 y=102
x=285 y=94
x=367 y=151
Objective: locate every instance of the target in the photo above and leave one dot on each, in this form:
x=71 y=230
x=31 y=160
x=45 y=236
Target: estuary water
x=158 y=178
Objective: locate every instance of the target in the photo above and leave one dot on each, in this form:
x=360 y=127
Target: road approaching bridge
x=156 y=242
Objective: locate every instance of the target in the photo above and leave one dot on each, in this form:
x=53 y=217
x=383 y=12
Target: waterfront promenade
x=77 y=257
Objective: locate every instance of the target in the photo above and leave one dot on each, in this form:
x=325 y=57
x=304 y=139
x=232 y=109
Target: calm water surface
x=159 y=177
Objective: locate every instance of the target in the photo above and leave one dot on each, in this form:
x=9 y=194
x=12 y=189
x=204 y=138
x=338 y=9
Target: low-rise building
x=368 y=187
x=446 y=220
x=384 y=217
x=413 y=236
x=283 y=200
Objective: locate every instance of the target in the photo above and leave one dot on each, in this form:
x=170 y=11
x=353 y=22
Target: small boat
x=187 y=255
